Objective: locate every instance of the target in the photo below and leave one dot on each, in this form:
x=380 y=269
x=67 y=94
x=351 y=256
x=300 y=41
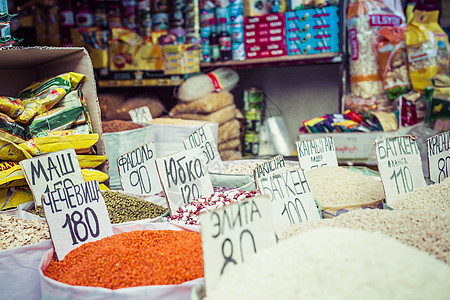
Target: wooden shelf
x=333 y=57
x=140 y=82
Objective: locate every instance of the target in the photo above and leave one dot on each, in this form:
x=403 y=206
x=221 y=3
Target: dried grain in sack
x=205 y=105
x=221 y=116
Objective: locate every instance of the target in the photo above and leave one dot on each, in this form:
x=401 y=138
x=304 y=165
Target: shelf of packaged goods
x=140 y=82
x=320 y=58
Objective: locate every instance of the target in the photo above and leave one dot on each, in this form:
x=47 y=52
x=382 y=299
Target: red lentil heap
x=137 y=258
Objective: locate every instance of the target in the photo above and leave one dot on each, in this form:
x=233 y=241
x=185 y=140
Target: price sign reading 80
x=400 y=166
x=438 y=150
x=78 y=212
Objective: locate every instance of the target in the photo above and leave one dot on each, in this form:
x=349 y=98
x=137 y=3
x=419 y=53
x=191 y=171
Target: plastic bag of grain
x=340 y=189
x=19 y=267
x=52 y=289
x=354 y=265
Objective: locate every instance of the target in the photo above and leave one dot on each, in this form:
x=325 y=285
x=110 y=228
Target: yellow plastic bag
x=14 y=196
x=10 y=151
x=42 y=96
x=11 y=174
x=427 y=47
x=91 y=161
x=82 y=143
x=92 y=174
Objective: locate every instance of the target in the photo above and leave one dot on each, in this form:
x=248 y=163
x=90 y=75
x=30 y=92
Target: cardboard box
x=264 y=18
x=317 y=18
x=19 y=67
x=264 y=32
x=126 y=57
x=264 y=54
x=266 y=47
x=181 y=59
x=265 y=39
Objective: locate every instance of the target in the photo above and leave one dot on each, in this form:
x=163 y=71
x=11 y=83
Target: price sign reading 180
x=76 y=215
x=438 y=150
x=400 y=166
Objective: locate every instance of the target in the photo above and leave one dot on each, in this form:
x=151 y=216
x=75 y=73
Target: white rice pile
x=337 y=263
x=427 y=230
x=248 y=168
x=436 y=196
x=333 y=186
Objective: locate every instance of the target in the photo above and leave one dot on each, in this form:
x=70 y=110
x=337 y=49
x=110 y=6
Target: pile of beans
x=119 y=125
x=16 y=232
x=136 y=258
x=427 y=230
x=123 y=208
x=189 y=213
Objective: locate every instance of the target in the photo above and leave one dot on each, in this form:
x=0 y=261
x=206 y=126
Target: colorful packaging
x=91 y=161
x=10 y=151
x=82 y=143
x=11 y=174
x=42 y=96
x=392 y=59
x=365 y=18
x=12 y=131
x=428 y=49
x=11 y=106
x=14 y=196
x=92 y=174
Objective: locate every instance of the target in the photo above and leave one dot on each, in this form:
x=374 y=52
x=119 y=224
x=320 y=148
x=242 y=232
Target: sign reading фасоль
x=137 y=171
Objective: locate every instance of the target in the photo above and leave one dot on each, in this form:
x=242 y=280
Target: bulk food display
x=133 y=209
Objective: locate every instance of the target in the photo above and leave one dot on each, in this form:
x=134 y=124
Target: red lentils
x=136 y=258
x=119 y=125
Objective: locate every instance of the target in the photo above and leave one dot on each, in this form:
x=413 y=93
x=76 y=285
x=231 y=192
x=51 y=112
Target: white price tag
x=232 y=234
x=76 y=215
x=438 y=151
x=137 y=171
x=141 y=115
x=274 y=165
x=400 y=166
x=316 y=153
x=292 y=200
x=52 y=171
x=204 y=139
x=184 y=177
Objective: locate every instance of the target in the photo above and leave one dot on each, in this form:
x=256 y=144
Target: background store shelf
x=333 y=57
x=139 y=82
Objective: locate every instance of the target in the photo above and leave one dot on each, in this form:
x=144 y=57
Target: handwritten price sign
x=270 y=167
x=141 y=115
x=316 y=153
x=438 y=151
x=227 y=243
x=184 y=177
x=50 y=172
x=400 y=166
x=76 y=215
x=137 y=171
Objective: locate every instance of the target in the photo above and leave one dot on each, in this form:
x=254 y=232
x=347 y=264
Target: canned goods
x=252 y=120
x=253 y=99
x=237 y=50
x=160 y=21
x=251 y=143
x=237 y=32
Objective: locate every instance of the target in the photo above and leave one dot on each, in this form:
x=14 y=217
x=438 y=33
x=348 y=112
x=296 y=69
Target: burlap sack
x=208 y=104
x=230 y=155
x=221 y=116
x=229 y=130
x=232 y=144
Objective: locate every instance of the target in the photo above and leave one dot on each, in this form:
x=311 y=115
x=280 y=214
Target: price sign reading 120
x=76 y=215
x=400 y=166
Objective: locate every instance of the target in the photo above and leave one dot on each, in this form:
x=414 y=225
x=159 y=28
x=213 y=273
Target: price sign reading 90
x=137 y=171
x=184 y=177
x=438 y=150
x=76 y=215
x=400 y=166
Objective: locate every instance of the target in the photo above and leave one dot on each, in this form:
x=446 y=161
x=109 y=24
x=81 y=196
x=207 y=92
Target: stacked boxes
x=265 y=36
x=181 y=59
x=311 y=31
